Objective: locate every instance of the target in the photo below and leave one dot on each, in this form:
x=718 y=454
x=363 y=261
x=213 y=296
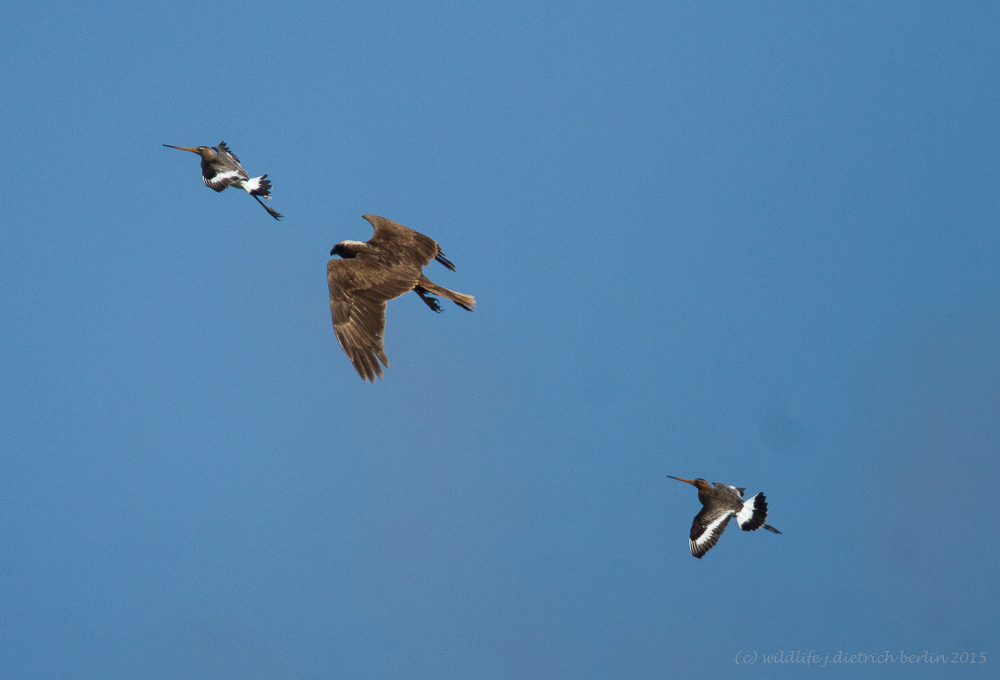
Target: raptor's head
x=348 y=249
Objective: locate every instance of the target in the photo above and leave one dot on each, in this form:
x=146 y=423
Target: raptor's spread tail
x=466 y=302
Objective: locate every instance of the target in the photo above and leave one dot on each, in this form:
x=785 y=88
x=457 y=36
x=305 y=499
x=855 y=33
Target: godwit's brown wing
x=707 y=528
x=223 y=170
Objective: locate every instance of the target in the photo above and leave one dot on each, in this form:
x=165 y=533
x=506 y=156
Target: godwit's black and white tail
x=260 y=187
x=753 y=514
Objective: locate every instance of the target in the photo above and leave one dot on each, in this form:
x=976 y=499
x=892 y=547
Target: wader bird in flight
x=722 y=503
x=220 y=168
x=383 y=268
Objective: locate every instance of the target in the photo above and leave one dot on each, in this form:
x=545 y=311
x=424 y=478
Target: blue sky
x=752 y=243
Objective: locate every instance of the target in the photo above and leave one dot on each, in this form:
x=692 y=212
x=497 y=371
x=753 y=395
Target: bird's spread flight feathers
x=707 y=528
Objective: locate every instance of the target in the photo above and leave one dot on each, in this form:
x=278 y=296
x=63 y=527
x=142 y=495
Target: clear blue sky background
x=751 y=242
